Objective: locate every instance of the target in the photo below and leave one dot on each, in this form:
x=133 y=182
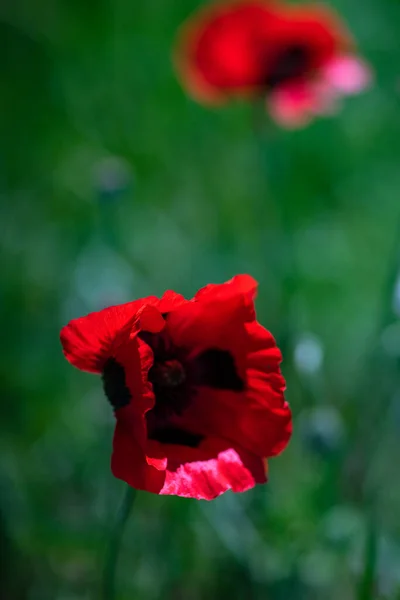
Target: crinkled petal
x=258 y=418
x=215 y=320
x=87 y=341
x=206 y=479
x=202 y=473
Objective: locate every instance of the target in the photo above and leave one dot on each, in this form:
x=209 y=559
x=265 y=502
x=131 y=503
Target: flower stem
x=366 y=589
x=110 y=565
x=274 y=208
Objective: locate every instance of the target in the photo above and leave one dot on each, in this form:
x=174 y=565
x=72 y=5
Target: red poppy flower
x=196 y=388
x=300 y=58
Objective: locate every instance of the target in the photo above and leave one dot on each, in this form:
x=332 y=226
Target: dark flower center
x=170 y=373
x=288 y=64
x=175 y=380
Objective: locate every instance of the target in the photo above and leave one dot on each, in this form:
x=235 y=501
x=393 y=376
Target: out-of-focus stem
x=273 y=208
x=366 y=590
x=111 y=561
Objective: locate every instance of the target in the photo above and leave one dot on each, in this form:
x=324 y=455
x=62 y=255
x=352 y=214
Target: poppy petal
x=245 y=419
x=215 y=319
x=293 y=106
x=86 y=341
x=241 y=285
x=219 y=48
x=206 y=479
x=257 y=418
x=347 y=74
x=128 y=461
x=170 y=301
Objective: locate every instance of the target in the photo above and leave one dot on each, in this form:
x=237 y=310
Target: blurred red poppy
x=196 y=387
x=299 y=58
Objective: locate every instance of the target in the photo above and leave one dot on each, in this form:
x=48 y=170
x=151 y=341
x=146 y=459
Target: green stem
x=110 y=565
x=367 y=583
x=274 y=209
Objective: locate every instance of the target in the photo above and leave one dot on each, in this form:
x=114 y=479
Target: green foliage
x=187 y=198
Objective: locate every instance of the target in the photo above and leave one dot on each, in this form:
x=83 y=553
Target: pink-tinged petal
x=295 y=105
x=292 y=106
x=327 y=100
x=347 y=74
x=206 y=479
x=159 y=463
x=87 y=341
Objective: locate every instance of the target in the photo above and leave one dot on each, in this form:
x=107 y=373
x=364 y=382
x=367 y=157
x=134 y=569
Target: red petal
x=258 y=419
x=148 y=318
x=128 y=460
x=314 y=26
x=87 y=341
x=170 y=301
x=216 y=319
x=245 y=419
x=202 y=473
x=206 y=479
x=228 y=47
x=243 y=286
x=219 y=48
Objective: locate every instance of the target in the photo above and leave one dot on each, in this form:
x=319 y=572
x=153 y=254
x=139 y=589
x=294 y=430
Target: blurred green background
x=115 y=185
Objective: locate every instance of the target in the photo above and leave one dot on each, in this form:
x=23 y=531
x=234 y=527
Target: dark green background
x=197 y=195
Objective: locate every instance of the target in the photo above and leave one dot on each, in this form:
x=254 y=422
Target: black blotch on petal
x=173 y=435
x=289 y=64
x=114 y=384
x=216 y=368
